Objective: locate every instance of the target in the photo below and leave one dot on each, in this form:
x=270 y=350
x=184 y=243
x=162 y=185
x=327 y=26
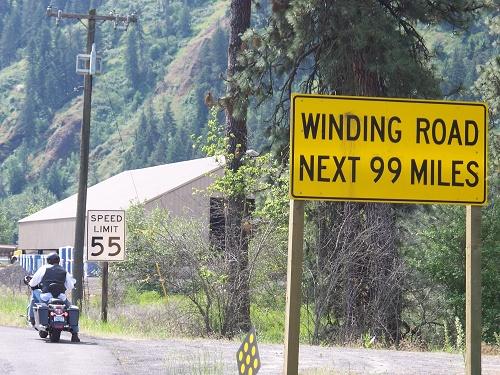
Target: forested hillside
x=150 y=100
x=146 y=105
x=163 y=74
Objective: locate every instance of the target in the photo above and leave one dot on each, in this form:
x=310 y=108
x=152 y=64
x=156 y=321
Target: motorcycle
x=52 y=317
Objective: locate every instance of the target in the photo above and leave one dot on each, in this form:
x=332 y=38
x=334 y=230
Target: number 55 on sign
x=105 y=235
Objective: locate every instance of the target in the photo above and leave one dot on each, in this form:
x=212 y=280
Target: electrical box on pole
x=89 y=63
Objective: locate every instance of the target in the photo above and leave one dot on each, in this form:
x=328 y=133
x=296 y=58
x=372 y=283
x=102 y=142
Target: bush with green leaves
x=437 y=254
x=179 y=251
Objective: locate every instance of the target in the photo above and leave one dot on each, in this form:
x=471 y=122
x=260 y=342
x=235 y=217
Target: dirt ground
x=219 y=357
x=11 y=276
x=189 y=357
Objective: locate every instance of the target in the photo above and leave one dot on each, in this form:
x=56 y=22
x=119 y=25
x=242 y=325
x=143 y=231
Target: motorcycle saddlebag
x=41 y=314
x=73 y=315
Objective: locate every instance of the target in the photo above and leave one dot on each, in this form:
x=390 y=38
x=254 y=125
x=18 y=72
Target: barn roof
x=133 y=186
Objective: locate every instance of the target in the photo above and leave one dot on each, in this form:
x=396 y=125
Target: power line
x=120 y=138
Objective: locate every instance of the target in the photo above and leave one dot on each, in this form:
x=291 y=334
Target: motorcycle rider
x=46 y=275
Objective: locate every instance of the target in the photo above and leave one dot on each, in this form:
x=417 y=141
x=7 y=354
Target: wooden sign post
x=293 y=286
x=387 y=150
x=473 y=291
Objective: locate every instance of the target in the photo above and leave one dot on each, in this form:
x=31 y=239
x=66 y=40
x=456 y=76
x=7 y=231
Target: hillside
x=155 y=76
x=149 y=101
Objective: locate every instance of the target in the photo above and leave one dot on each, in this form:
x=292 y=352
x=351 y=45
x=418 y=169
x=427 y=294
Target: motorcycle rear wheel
x=43 y=334
x=54 y=335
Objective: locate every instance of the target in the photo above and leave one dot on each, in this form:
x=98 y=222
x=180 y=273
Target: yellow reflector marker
x=247 y=356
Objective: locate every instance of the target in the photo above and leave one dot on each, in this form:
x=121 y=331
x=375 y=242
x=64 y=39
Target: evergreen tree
x=160 y=152
x=55 y=180
x=9 y=40
x=369 y=48
x=167 y=124
x=16 y=175
x=132 y=70
x=181 y=146
x=217 y=54
x=237 y=308
x=4 y=10
x=30 y=107
x=184 y=23
x=141 y=151
x=145 y=141
x=168 y=16
x=5 y=228
x=81 y=6
x=165 y=128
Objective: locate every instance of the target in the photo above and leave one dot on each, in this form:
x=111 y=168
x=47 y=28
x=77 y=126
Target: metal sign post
x=105 y=243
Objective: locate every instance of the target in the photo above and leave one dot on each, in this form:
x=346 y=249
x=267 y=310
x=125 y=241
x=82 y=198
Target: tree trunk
x=363 y=294
x=237 y=314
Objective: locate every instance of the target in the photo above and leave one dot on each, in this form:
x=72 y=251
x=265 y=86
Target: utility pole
x=92 y=17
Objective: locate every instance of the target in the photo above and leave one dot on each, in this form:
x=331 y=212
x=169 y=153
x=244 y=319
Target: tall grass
x=149 y=315
x=12 y=305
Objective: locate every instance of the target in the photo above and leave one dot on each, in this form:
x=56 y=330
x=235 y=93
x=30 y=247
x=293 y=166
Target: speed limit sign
x=105 y=235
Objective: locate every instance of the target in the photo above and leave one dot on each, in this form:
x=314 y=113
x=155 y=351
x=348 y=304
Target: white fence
x=32 y=262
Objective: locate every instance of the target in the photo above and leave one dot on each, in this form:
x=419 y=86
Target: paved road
x=22 y=350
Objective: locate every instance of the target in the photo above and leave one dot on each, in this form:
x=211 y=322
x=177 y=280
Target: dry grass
x=488 y=349
x=326 y=372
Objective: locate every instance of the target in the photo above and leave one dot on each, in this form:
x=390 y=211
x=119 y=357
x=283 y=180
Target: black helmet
x=53 y=258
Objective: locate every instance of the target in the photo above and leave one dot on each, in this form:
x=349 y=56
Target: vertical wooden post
x=104 y=296
x=162 y=280
x=473 y=291
x=83 y=174
x=293 y=288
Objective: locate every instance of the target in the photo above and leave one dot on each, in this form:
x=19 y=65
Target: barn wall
x=49 y=234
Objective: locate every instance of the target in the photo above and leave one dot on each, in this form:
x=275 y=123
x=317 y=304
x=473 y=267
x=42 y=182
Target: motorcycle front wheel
x=55 y=335
x=43 y=334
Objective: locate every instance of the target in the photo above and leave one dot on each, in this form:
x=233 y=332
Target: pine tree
x=184 y=24
x=165 y=128
x=132 y=70
x=10 y=38
x=217 y=54
x=81 y=6
x=141 y=153
x=16 y=175
x=237 y=309
x=369 y=48
x=55 y=180
x=180 y=147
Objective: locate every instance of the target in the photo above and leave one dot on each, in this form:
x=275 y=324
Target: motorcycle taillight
x=58 y=311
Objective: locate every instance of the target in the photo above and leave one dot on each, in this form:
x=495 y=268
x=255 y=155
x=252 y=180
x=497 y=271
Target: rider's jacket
x=55 y=274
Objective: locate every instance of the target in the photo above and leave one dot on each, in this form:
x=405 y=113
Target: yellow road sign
x=387 y=150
